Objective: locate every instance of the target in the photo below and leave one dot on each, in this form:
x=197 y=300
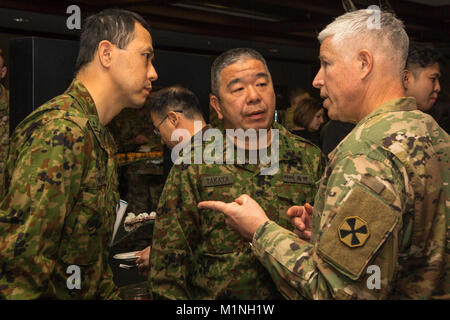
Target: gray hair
x=387 y=34
x=228 y=58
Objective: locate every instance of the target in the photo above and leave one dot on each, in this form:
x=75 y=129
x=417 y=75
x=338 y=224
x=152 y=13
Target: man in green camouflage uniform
x=132 y=130
x=4 y=115
x=59 y=196
x=194 y=255
x=380 y=220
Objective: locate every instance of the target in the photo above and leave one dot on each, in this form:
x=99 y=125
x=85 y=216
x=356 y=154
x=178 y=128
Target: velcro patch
x=345 y=244
x=213 y=181
x=296 y=178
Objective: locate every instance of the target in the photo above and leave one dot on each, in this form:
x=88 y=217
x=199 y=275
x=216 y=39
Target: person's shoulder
x=295 y=142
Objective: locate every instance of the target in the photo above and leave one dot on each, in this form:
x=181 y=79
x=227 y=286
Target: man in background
x=173 y=108
x=421 y=76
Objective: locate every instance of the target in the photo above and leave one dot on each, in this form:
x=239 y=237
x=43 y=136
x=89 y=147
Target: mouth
x=256 y=115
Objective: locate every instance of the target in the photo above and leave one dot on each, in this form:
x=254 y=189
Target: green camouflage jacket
x=57 y=205
x=380 y=219
x=194 y=254
x=4 y=126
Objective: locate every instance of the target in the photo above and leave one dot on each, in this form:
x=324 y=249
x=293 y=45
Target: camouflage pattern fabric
x=382 y=202
x=4 y=126
x=58 y=202
x=130 y=123
x=214 y=120
x=141 y=176
x=194 y=254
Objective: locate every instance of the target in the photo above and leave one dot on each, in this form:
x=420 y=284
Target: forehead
x=243 y=68
x=432 y=69
x=142 y=38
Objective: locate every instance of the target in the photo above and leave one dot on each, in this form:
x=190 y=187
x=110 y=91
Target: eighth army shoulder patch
x=353 y=232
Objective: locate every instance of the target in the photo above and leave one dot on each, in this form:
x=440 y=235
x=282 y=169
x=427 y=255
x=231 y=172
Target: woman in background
x=308 y=117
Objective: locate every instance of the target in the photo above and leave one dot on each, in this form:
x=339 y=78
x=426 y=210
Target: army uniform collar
x=79 y=92
x=399 y=104
x=284 y=153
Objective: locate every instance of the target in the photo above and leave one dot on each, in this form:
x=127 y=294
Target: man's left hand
x=244 y=215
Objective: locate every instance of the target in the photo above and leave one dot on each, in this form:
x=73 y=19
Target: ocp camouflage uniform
x=194 y=254
x=381 y=213
x=58 y=202
x=4 y=126
x=143 y=179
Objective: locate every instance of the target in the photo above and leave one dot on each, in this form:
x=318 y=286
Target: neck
x=102 y=92
x=377 y=95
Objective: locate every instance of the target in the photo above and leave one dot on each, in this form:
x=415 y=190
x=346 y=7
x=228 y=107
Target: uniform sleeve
x=175 y=236
x=357 y=236
x=42 y=188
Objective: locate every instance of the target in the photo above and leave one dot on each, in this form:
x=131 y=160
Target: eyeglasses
x=156 y=130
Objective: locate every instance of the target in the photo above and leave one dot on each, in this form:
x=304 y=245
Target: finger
x=295 y=211
x=212 y=205
x=304 y=235
x=309 y=208
x=298 y=223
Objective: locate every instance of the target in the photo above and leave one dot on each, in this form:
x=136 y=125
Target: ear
x=365 y=62
x=408 y=78
x=214 y=102
x=173 y=117
x=104 y=52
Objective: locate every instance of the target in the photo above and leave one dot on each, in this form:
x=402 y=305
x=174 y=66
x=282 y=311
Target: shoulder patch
x=354 y=232
x=348 y=244
x=213 y=181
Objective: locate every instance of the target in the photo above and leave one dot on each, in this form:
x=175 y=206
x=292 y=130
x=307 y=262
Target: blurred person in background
x=309 y=116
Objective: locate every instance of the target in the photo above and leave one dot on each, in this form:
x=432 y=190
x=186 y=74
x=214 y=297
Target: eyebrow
x=150 y=49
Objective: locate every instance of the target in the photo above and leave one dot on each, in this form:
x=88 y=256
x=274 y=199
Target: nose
x=437 y=87
x=152 y=75
x=318 y=80
x=252 y=95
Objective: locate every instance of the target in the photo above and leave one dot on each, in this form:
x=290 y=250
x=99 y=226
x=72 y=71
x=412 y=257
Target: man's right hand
x=301 y=218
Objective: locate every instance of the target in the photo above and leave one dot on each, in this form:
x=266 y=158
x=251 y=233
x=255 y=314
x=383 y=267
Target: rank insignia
x=354 y=232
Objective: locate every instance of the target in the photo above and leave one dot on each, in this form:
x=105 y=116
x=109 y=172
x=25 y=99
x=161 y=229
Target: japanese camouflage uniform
x=194 y=254
x=143 y=179
x=381 y=216
x=58 y=203
x=4 y=126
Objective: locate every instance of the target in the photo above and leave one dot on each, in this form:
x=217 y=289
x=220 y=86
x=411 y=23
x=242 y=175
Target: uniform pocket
x=289 y=195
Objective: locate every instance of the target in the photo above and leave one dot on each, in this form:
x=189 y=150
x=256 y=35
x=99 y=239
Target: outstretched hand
x=244 y=215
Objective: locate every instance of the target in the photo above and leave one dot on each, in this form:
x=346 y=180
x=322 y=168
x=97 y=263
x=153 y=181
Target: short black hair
x=175 y=98
x=228 y=58
x=420 y=56
x=114 y=25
